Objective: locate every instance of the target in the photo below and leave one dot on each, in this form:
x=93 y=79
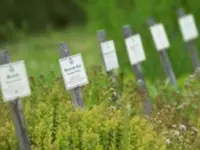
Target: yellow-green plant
x=106 y=123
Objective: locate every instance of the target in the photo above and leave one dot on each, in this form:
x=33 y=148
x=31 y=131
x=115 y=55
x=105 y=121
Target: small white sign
x=188 y=27
x=109 y=55
x=159 y=36
x=135 y=49
x=14 y=81
x=73 y=71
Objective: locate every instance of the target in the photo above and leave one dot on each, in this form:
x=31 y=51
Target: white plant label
x=109 y=55
x=160 y=37
x=135 y=49
x=188 y=27
x=73 y=71
x=14 y=81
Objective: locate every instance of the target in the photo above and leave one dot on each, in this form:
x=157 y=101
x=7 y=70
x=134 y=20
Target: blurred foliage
x=111 y=15
x=37 y=15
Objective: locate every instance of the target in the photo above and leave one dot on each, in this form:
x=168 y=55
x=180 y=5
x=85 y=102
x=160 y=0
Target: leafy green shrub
x=176 y=115
x=52 y=123
x=106 y=123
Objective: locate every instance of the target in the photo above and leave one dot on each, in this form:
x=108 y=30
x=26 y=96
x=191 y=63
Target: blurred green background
x=30 y=30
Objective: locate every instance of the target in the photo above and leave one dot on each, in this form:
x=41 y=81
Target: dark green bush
x=36 y=15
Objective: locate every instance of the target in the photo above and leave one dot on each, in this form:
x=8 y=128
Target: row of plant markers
x=134 y=45
x=14 y=81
